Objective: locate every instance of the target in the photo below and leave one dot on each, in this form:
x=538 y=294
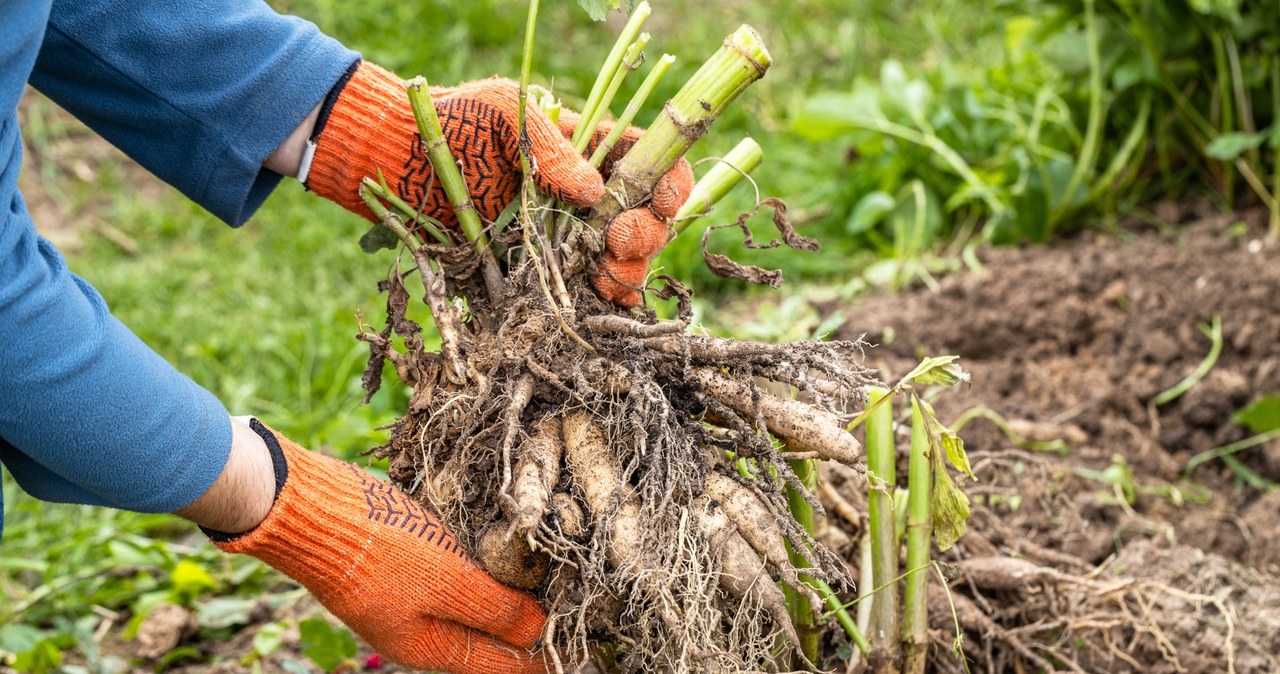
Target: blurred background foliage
x=900 y=134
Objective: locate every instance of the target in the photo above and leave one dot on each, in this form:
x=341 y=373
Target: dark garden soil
x=1070 y=342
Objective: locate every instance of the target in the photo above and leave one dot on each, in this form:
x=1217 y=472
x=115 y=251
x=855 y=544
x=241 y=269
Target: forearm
x=242 y=495
x=287 y=158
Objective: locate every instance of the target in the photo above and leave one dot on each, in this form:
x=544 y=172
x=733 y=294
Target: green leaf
x=225 y=612
x=189 y=581
x=949 y=507
x=178 y=654
x=1262 y=416
x=326 y=645
x=869 y=211
x=599 y=8
x=1229 y=146
x=293 y=666
x=1228 y=10
x=43 y=658
x=1118 y=475
x=269 y=638
x=941 y=370
x=946 y=440
x=378 y=238
x=18 y=637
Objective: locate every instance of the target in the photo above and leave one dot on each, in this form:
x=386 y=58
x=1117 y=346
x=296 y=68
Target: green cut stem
x=882 y=483
x=915 y=615
x=372 y=190
x=744 y=158
x=610 y=68
x=630 y=62
x=798 y=605
x=633 y=107
x=840 y=611
x=738 y=63
x=442 y=160
x=526 y=69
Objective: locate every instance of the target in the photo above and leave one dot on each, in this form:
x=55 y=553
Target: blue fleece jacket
x=200 y=93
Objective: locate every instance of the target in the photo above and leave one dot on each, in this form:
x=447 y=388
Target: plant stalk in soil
x=882 y=482
x=915 y=618
x=798 y=605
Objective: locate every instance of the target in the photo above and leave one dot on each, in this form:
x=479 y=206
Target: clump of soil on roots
x=1070 y=342
x=573 y=446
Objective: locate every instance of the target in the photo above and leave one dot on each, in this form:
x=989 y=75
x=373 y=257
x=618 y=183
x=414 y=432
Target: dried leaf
x=371 y=380
x=945 y=441
x=673 y=288
x=724 y=267
x=398 y=306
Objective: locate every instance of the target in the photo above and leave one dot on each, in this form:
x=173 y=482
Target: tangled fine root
x=584 y=453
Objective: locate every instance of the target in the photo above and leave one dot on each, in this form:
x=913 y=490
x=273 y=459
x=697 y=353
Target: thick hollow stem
x=724 y=176
x=741 y=61
x=915 y=618
x=442 y=160
x=798 y=604
x=881 y=482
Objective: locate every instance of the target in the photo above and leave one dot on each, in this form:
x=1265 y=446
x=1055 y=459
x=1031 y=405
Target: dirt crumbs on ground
x=1127 y=553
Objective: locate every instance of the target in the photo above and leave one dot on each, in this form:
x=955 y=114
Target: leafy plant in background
x=328 y=646
x=1095 y=107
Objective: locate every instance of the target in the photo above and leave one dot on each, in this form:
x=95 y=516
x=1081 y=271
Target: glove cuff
x=317 y=531
x=369 y=128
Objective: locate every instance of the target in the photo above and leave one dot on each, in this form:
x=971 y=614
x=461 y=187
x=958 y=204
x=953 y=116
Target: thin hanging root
x=536 y=473
x=521 y=392
x=742 y=573
x=447 y=319
x=759 y=526
x=803 y=427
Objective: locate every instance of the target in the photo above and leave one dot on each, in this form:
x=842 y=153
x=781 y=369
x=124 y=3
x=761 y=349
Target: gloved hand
x=636 y=236
x=388 y=569
x=369 y=126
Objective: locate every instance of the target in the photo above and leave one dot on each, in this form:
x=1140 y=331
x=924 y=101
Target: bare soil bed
x=1071 y=341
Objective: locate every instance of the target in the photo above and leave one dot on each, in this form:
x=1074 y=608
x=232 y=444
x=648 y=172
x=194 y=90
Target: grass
x=265 y=316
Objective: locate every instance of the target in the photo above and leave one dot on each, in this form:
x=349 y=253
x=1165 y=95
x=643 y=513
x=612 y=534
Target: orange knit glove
x=369 y=127
x=636 y=236
x=388 y=569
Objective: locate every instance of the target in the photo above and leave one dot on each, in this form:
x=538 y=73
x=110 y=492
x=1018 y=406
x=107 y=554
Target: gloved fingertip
x=672 y=190
x=636 y=234
x=619 y=281
x=612 y=292
x=570 y=179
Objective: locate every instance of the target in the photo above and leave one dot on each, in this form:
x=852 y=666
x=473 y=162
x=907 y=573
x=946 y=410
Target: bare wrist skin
x=243 y=494
x=288 y=157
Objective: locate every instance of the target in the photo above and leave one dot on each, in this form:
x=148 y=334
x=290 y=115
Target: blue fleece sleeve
x=88 y=413
x=200 y=92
